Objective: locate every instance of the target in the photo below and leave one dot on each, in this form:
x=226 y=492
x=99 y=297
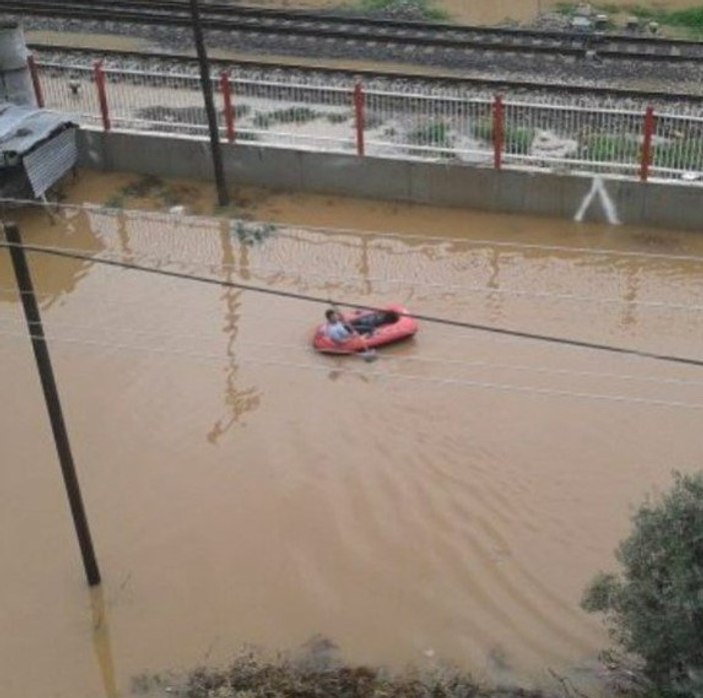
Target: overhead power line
x=435 y=287
x=317 y=299
x=389 y=375
x=9 y=325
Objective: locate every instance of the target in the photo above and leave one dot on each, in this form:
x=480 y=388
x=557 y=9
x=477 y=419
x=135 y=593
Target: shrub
x=298 y=115
x=604 y=147
x=686 y=154
x=516 y=139
x=654 y=609
x=434 y=135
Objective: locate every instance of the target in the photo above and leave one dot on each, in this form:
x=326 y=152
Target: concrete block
x=349 y=175
x=675 y=206
x=542 y=194
x=263 y=167
x=442 y=184
x=628 y=200
x=679 y=207
x=511 y=192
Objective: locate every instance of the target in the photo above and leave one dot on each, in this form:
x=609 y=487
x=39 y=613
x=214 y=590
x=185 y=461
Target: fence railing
x=442 y=124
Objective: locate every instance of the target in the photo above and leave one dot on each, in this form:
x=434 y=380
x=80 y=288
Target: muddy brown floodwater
x=446 y=503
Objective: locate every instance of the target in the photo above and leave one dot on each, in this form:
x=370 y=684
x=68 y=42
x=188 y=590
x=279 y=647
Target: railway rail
x=86 y=55
x=364 y=30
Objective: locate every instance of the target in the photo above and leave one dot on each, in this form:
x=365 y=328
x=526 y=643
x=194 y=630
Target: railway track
x=353 y=30
x=86 y=55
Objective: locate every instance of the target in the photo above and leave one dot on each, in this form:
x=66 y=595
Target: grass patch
x=686 y=154
x=567 y=9
x=407 y=9
x=601 y=147
x=115 y=201
x=690 y=19
x=434 y=135
x=516 y=139
x=251 y=233
x=298 y=115
x=146 y=187
x=337 y=118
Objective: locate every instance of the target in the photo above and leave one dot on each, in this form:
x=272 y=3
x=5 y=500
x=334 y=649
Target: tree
x=654 y=608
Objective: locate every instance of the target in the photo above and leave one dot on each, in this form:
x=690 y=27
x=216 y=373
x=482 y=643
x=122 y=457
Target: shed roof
x=21 y=128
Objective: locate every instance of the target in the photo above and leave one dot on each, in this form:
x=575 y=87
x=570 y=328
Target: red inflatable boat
x=375 y=329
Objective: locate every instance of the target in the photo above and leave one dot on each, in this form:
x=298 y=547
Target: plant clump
x=516 y=139
x=654 y=607
x=148 y=187
x=319 y=674
x=404 y=9
x=298 y=115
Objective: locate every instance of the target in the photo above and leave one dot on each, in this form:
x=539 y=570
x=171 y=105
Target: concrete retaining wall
x=671 y=206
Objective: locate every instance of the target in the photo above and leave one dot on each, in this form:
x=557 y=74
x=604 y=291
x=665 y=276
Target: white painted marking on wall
x=598 y=190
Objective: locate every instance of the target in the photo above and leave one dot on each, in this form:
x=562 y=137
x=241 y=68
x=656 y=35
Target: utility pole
x=53 y=405
x=206 y=84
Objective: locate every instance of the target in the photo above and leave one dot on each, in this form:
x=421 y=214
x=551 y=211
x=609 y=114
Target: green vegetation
x=604 y=147
x=654 y=609
x=317 y=674
x=246 y=136
x=251 y=233
x=690 y=20
x=685 y=154
x=337 y=117
x=409 y=9
x=300 y=115
x=435 y=135
x=516 y=139
x=145 y=187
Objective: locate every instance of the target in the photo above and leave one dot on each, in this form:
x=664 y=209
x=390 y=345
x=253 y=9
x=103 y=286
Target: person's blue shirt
x=337 y=332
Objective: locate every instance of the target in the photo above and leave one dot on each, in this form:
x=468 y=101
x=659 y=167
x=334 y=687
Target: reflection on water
x=101 y=642
x=70 y=229
x=445 y=503
x=239 y=401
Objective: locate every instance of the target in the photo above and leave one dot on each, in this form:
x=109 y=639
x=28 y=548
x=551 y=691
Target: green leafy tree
x=654 y=608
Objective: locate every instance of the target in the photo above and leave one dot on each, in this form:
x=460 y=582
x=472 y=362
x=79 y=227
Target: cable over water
x=335 y=301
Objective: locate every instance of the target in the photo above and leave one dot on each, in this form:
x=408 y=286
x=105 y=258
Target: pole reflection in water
x=101 y=642
x=632 y=286
x=239 y=401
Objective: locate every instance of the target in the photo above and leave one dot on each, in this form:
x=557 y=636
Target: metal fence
x=441 y=124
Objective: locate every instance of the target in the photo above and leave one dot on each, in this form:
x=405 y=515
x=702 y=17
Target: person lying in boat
x=339 y=331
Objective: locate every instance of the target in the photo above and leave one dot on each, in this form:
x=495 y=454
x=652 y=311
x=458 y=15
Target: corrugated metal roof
x=21 y=128
x=50 y=161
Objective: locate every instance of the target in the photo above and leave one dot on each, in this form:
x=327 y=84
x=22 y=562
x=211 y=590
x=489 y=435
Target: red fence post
x=226 y=88
x=34 y=73
x=498 y=132
x=102 y=94
x=647 y=144
x=359 y=113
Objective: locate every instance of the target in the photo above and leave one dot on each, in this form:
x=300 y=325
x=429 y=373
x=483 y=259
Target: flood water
x=446 y=503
